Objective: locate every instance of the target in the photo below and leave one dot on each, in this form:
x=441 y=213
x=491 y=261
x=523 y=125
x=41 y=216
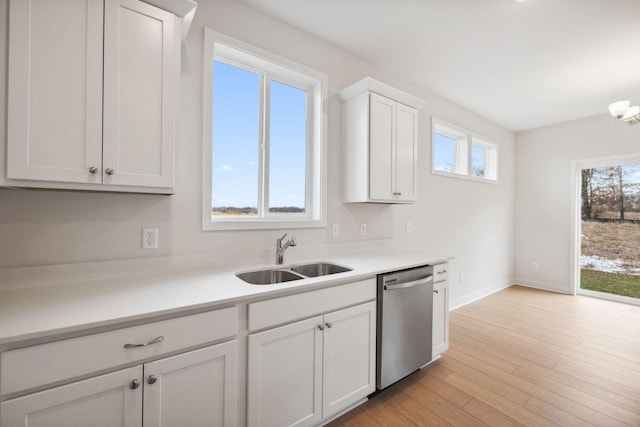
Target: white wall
x=469 y=220
x=543 y=197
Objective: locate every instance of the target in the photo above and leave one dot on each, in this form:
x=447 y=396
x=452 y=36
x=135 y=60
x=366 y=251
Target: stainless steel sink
x=268 y=276
x=319 y=269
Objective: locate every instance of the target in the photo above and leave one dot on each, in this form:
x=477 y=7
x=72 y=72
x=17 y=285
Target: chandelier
x=622 y=111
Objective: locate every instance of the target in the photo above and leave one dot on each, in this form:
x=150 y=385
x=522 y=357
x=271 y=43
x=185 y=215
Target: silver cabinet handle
x=93 y=170
x=397 y=194
x=155 y=341
x=424 y=281
x=109 y=171
x=442 y=272
x=321 y=327
x=328 y=324
x=152 y=379
x=435 y=291
x=134 y=384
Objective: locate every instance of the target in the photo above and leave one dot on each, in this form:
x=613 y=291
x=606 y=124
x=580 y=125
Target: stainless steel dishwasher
x=405 y=305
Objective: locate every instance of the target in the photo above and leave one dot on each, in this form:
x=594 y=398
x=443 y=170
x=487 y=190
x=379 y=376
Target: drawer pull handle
x=134 y=384
x=155 y=341
x=442 y=272
x=435 y=291
x=109 y=171
x=321 y=327
x=152 y=379
x=329 y=325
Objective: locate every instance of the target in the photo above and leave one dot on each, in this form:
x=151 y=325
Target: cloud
x=227 y=168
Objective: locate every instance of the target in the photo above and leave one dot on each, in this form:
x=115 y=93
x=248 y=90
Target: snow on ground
x=594 y=262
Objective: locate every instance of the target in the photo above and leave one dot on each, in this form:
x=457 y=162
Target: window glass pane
x=236 y=137
x=444 y=152
x=478 y=161
x=287 y=148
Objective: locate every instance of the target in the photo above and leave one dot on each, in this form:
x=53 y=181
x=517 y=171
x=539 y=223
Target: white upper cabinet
x=55 y=90
x=92 y=89
x=380 y=143
x=139 y=77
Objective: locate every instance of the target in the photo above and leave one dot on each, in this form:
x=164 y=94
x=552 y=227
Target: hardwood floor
x=523 y=357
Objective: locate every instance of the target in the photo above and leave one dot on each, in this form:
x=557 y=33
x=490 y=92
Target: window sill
x=261 y=224
x=465 y=177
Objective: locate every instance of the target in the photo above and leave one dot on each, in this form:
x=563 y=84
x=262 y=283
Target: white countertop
x=38 y=312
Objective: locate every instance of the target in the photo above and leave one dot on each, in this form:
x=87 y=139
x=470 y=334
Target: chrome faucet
x=280 y=247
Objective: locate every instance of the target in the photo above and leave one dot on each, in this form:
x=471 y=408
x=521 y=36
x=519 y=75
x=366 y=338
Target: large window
x=460 y=153
x=263 y=139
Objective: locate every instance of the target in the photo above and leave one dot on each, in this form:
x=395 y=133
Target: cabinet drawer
x=440 y=272
x=277 y=311
x=35 y=366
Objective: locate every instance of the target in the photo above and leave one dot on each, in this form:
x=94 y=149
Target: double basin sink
x=270 y=276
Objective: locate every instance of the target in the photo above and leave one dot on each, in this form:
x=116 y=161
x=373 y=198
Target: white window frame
x=490 y=158
x=463 y=160
x=234 y=52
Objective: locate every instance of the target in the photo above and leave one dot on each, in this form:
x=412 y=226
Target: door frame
x=575 y=228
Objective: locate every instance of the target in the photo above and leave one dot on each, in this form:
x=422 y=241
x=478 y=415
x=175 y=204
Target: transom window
x=460 y=153
x=263 y=140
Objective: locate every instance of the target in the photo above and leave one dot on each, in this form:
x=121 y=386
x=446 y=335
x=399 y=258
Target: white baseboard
x=477 y=295
x=482 y=293
x=542 y=286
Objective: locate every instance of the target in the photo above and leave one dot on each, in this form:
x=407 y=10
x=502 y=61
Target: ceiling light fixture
x=622 y=111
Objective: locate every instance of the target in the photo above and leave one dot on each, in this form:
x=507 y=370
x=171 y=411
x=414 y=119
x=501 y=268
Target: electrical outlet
x=149 y=238
x=409 y=227
x=336 y=230
x=363 y=229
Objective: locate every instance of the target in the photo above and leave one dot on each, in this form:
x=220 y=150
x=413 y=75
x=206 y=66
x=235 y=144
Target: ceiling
x=521 y=64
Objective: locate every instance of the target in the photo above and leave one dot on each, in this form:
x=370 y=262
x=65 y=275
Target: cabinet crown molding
x=183 y=9
x=375 y=86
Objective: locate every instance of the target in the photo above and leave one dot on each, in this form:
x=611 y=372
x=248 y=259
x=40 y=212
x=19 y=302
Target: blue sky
x=444 y=152
x=444 y=155
x=236 y=133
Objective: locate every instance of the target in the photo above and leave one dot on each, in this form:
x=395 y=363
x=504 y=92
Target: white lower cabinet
x=197 y=388
x=285 y=375
x=107 y=401
x=440 y=335
x=141 y=375
x=349 y=362
x=306 y=371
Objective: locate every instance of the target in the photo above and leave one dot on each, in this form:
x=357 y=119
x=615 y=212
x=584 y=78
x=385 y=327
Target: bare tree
x=587 y=193
x=608 y=189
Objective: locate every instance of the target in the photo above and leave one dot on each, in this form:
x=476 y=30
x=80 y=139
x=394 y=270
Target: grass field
x=611 y=283
x=613 y=241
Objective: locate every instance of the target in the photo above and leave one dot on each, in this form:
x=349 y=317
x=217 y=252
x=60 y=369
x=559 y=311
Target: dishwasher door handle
x=424 y=281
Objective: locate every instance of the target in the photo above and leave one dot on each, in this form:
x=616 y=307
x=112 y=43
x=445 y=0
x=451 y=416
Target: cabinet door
x=382 y=129
x=440 y=318
x=285 y=375
x=406 y=153
x=107 y=401
x=349 y=357
x=140 y=65
x=195 y=389
x=55 y=90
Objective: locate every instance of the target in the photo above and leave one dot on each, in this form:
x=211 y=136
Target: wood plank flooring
x=523 y=357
